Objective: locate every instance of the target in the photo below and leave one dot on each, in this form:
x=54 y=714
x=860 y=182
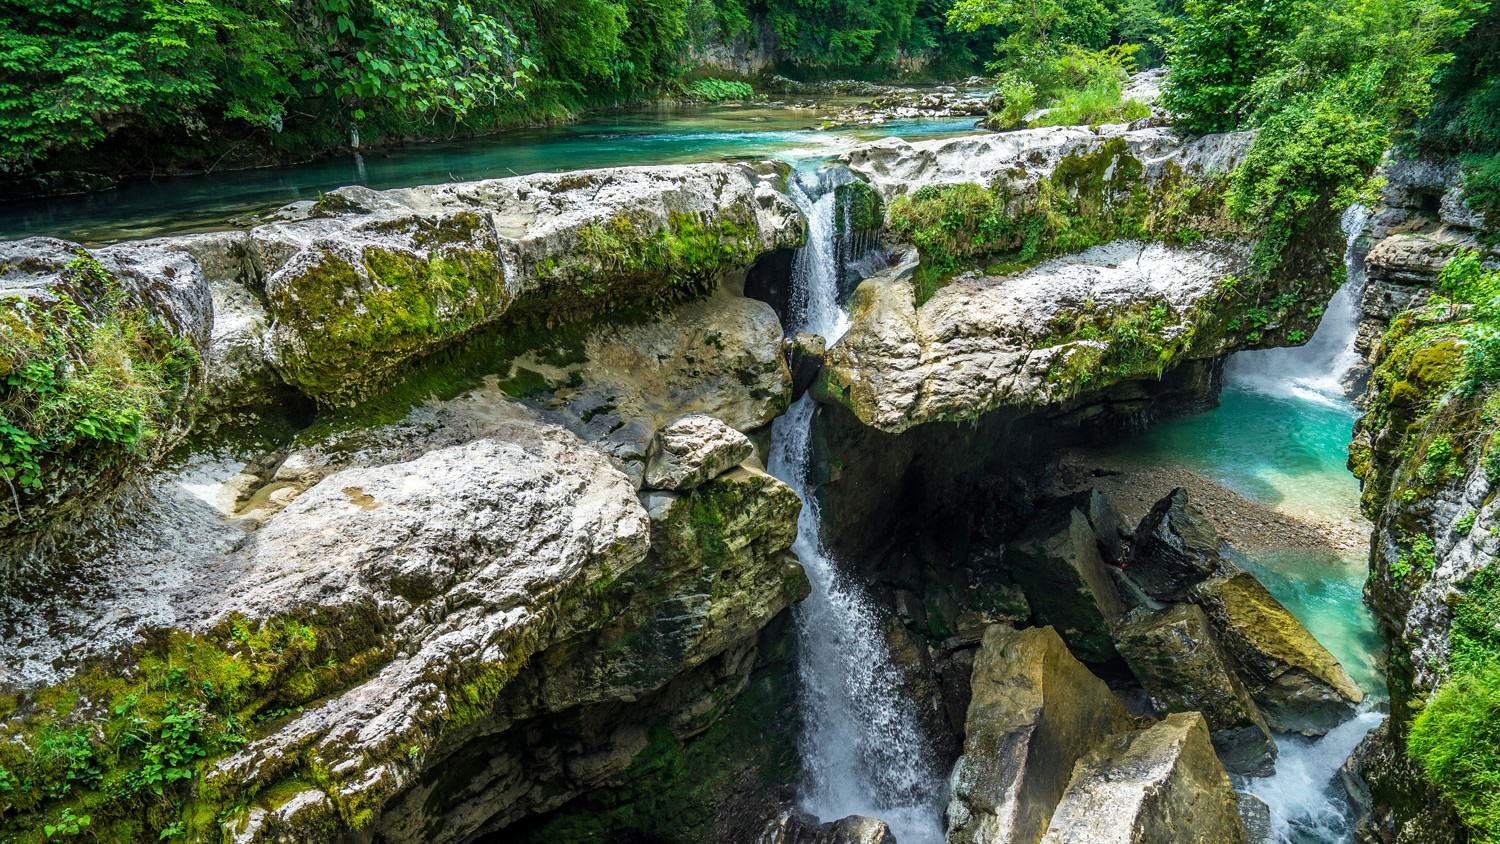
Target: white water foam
x=1318 y=370
x=1308 y=803
x=863 y=751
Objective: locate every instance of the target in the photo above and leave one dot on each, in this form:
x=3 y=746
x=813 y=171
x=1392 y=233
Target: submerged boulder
x=1157 y=785
x=692 y=450
x=1058 y=566
x=1176 y=546
x=1298 y=684
x=1175 y=655
x=1035 y=711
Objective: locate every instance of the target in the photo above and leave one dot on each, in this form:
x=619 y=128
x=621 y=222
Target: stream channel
x=1277 y=438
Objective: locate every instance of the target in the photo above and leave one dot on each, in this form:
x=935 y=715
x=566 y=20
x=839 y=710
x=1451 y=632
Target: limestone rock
x=982 y=343
x=56 y=294
x=371 y=279
x=695 y=449
x=1176 y=546
x=802 y=828
x=1176 y=657
x=1161 y=784
x=1298 y=684
x=895 y=167
x=1255 y=815
x=1035 y=710
x=806 y=359
x=1058 y=566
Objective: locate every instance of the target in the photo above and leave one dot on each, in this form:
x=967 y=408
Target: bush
x=1456 y=739
x=1215 y=51
x=716 y=90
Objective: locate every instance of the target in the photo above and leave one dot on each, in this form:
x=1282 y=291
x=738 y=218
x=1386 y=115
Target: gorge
x=914 y=483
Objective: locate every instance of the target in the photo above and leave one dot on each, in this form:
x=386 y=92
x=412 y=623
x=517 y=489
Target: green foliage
x=1215 y=51
x=122 y=753
x=87 y=371
x=1465 y=282
x=1456 y=739
x=1482 y=184
x=716 y=90
x=1465 y=523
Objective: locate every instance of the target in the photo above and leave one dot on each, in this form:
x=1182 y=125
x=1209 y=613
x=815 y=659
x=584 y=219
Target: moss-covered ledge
x=1061 y=330
x=365 y=281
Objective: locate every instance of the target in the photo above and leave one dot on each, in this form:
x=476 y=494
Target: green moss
x=857 y=208
x=1456 y=739
x=126 y=741
x=1087 y=200
x=95 y=381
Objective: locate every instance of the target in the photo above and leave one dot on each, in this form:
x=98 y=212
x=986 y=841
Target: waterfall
x=1320 y=369
x=863 y=751
x=1308 y=803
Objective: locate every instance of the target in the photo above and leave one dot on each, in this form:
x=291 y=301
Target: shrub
x=1456 y=739
x=715 y=90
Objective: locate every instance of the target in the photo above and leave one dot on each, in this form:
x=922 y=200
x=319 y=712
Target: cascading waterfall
x=862 y=749
x=1318 y=370
x=1307 y=802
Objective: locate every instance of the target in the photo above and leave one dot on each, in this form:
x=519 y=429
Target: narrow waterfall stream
x=862 y=749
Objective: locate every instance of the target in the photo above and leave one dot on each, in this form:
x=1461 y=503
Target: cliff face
x=1423 y=453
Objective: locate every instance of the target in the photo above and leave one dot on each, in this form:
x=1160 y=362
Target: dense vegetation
x=128 y=84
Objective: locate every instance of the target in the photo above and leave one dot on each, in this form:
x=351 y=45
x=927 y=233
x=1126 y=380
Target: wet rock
x=132 y=323
x=694 y=449
x=802 y=828
x=1175 y=547
x=1161 y=784
x=1255 y=816
x=806 y=359
x=1178 y=660
x=1298 y=684
x=1067 y=584
x=1035 y=711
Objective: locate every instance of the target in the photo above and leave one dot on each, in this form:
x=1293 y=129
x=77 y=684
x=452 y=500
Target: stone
x=1058 y=566
x=370 y=279
x=1174 y=653
x=983 y=343
x=1255 y=816
x=692 y=450
x=806 y=360
x=1175 y=546
x=802 y=828
x=53 y=292
x=1161 y=784
x=1035 y=711
x=1298 y=684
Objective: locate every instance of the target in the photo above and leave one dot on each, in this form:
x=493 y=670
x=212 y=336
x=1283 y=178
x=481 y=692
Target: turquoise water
x=665 y=135
x=1287 y=451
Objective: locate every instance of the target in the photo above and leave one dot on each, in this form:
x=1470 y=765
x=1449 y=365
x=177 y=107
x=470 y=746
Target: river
x=660 y=135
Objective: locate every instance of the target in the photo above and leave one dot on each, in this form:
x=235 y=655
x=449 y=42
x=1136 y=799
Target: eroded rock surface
x=1175 y=546
x=1035 y=710
x=693 y=450
x=1177 y=658
x=1299 y=685
x=988 y=342
x=1161 y=784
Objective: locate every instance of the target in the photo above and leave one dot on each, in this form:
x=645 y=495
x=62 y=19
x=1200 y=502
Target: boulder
x=103 y=354
x=1035 y=710
x=1174 y=653
x=802 y=828
x=1032 y=338
x=806 y=359
x=365 y=280
x=692 y=450
x=1255 y=815
x=1058 y=566
x=1298 y=684
x=1161 y=784
x=1175 y=547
